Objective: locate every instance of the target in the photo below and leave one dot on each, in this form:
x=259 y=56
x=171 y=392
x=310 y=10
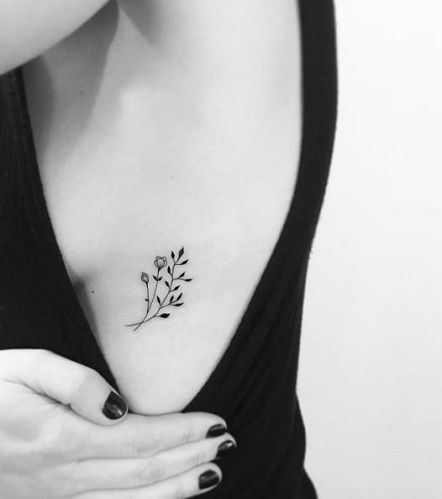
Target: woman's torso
x=253 y=386
x=159 y=125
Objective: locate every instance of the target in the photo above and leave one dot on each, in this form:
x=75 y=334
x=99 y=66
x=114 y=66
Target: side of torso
x=147 y=143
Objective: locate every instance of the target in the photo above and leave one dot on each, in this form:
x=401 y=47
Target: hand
x=57 y=442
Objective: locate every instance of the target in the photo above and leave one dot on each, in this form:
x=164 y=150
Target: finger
x=192 y=483
x=144 y=436
x=66 y=381
x=130 y=473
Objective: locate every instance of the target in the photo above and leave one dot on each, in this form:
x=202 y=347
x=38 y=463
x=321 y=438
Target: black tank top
x=254 y=385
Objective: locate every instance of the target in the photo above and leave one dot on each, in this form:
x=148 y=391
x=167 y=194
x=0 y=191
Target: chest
x=136 y=167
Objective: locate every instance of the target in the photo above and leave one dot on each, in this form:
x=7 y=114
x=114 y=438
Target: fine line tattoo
x=167 y=287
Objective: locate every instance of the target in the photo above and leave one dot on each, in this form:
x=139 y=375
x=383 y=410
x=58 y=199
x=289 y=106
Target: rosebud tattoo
x=166 y=286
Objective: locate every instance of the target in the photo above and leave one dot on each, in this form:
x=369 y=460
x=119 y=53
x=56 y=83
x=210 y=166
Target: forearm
x=29 y=27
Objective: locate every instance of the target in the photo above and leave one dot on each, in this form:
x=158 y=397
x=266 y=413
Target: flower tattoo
x=160 y=262
x=155 y=304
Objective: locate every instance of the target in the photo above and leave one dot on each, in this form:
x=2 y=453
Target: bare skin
x=29 y=28
x=160 y=124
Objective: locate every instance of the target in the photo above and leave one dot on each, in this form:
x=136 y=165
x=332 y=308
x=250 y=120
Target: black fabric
x=254 y=384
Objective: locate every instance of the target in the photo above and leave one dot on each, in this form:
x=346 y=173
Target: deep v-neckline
x=64 y=283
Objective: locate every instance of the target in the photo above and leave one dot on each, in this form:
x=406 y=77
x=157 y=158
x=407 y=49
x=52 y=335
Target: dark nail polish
x=208 y=479
x=216 y=430
x=225 y=449
x=115 y=407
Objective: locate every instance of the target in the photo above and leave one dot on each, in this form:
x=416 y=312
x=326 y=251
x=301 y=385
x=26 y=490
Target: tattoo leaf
x=178 y=304
x=187 y=280
x=180 y=253
x=181 y=275
x=176 y=287
x=179 y=296
x=168 y=270
x=158 y=300
x=164 y=315
x=167 y=284
x=172 y=254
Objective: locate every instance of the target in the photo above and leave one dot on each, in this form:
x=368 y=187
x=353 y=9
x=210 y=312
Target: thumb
x=66 y=381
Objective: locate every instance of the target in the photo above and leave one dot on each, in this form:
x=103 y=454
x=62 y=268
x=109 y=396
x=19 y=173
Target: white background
x=370 y=378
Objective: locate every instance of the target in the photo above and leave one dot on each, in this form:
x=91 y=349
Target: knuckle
x=188 y=432
x=149 y=472
x=181 y=425
x=140 y=476
x=79 y=377
x=140 y=447
x=200 y=457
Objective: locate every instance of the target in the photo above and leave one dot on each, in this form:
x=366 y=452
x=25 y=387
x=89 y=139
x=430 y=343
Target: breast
x=158 y=192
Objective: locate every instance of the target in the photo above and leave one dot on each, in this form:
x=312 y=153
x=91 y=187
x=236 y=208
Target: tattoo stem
x=149 y=303
x=154 y=292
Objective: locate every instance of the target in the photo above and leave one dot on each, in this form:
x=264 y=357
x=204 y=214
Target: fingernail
x=208 y=479
x=115 y=406
x=225 y=449
x=216 y=430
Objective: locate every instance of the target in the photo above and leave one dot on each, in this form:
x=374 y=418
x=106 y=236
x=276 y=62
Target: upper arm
x=29 y=27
